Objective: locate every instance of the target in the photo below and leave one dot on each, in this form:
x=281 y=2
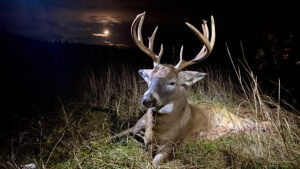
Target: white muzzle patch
x=156 y=97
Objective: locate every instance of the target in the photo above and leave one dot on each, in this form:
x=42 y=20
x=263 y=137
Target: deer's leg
x=163 y=153
x=138 y=127
x=148 y=131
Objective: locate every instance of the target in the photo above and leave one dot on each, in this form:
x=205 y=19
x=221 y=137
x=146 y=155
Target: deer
x=170 y=118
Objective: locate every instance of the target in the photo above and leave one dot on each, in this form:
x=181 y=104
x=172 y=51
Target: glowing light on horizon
x=104 y=34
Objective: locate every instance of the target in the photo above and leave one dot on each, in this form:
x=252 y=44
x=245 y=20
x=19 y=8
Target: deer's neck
x=174 y=107
x=173 y=111
x=174 y=125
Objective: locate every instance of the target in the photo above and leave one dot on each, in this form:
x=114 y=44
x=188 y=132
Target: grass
x=77 y=137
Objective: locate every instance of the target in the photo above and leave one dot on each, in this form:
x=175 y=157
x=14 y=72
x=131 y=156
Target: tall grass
x=117 y=91
x=111 y=103
x=283 y=135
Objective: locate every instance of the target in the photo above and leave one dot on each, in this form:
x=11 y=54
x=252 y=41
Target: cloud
x=100 y=34
x=106 y=16
x=103 y=19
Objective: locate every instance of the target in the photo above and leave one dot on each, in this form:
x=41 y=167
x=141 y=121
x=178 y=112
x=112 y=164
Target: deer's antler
x=138 y=39
x=206 y=49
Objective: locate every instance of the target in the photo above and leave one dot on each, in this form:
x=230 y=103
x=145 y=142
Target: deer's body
x=170 y=118
x=176 y=126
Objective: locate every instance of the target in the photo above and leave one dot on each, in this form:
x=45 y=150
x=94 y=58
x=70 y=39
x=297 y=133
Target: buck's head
x=166 y=83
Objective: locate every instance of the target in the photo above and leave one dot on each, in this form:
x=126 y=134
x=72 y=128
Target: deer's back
x=204 y=118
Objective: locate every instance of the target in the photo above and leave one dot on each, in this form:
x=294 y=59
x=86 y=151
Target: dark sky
x=77 y=20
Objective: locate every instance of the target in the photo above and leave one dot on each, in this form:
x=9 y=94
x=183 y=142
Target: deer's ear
x=145 y=73
x=188 y=78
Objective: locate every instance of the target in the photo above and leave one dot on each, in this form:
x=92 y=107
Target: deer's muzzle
x=152 y=96
x=148 y=100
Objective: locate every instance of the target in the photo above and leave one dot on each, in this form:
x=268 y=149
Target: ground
x=76 y=136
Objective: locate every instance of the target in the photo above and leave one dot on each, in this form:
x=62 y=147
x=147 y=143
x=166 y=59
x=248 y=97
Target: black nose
x=148 y=101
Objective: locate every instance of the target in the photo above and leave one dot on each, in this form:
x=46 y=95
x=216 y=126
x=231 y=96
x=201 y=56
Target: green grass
x=84 y=146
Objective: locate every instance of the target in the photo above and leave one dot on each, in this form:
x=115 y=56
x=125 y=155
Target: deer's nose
x=148 y=101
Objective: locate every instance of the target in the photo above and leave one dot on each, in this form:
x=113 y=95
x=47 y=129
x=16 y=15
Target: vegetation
x=110 y=103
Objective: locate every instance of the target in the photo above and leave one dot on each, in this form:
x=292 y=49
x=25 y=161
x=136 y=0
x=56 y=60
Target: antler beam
x=206 y=49
x=138 y=39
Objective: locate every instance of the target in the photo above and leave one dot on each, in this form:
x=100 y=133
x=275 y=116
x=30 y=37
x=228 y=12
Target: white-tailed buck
x=170 y=118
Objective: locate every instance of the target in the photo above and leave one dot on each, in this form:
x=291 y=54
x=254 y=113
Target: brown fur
x=164 y=70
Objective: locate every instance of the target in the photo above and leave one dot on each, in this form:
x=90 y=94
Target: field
x=75 y=137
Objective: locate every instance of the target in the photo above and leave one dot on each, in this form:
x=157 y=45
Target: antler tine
x=207 y=48
x=160 y=54
x=205 y=29
x=181 y=61
x=150 y=46
x=206 y=34
x=151 y=39
x=138 y=39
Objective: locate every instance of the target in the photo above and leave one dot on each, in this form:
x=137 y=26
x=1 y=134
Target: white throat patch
x=168 y=108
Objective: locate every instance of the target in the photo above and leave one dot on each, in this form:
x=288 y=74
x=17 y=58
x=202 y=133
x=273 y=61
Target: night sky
x=107 y=22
